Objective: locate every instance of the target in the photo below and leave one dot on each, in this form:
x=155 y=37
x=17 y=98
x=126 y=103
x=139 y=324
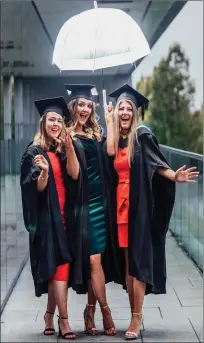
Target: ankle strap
x=49 y=312
x=62 y=317
x=90 y=305
x=106 y=306
x=137 y=314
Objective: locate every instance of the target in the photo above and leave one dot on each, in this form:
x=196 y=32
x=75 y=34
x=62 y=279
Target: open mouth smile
x=125 y=120
x=83 y=116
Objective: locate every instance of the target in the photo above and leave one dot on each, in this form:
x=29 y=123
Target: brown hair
x=92 y=127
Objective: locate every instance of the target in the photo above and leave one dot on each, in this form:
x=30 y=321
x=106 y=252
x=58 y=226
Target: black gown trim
x=123 y=142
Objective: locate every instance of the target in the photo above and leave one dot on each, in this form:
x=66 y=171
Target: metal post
x=7 y=109
x=18 y=108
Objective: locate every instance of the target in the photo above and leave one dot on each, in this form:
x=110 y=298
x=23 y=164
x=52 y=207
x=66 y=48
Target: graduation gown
x=82 y=232
x=151 y=202
x=50 y=244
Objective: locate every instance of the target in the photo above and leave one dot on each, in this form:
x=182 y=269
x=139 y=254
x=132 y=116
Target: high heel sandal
x=66 y=335
x=130 y=335
x=110 y=331
x=87 y=320
x=48 y=331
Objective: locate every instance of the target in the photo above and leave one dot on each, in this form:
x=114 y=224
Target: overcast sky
x=186 y=29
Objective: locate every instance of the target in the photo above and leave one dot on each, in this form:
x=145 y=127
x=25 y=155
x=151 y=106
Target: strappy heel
x=87 y=320
x=48 y=331
x=110 y=331
x=66 y=335
x=130 y=335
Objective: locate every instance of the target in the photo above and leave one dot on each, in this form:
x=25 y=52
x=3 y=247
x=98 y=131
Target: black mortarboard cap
x=126 y=92
x=57 y=105
x=80 y=91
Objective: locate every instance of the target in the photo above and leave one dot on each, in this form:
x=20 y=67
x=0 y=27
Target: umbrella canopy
x=99 y=38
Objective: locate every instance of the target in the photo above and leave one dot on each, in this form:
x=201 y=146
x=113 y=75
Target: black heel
x=60 y=332
x=48 y=331
x=67 y=334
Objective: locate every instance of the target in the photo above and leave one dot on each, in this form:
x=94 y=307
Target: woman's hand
x=41 y=162
x=109 y=111
x=188 y=175
x=66 y=140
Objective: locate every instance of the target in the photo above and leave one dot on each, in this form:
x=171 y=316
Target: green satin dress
x=97 y=223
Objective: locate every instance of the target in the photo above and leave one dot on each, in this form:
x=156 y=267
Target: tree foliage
x=171 y=94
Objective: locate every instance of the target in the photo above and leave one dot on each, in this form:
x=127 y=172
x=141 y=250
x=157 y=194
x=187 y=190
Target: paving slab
x=174 y=317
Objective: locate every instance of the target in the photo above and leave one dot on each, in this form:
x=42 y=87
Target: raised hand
x=186 y=175
x=109 y=111
x=66 y=140
x=41 y=162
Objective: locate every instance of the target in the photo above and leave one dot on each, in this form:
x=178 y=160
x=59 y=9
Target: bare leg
x=98 y=284
x=98 y=279
x=138 y=299
x=89 y=312
x=51 y=306
x=61 y=296
x=91 y=295
x=129 y=281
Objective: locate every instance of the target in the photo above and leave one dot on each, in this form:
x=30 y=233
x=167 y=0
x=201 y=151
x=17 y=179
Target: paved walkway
x=174 y=317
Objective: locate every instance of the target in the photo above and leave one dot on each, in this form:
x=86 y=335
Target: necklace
x=123 y=136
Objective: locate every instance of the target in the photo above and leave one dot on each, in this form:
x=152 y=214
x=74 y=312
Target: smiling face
x=125 y=116
x=53 y=125
x=84 y=109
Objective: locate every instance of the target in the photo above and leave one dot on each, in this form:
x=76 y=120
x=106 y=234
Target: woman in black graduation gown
x=94 y=230
x=145 y=192
x=48 y=170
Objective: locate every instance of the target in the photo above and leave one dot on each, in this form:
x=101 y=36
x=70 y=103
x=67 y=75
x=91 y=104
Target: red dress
x=62 y=272
x=123 y=189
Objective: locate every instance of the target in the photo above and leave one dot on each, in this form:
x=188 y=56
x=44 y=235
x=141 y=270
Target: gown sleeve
x=162 y=189
x=29 y=193
x=152 y=154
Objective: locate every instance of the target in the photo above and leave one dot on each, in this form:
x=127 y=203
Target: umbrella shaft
x=104 y=98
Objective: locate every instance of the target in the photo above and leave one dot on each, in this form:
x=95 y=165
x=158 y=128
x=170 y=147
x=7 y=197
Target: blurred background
x=171 y=77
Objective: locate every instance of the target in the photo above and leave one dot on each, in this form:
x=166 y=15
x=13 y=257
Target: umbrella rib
x=64 y=46
x=95 y=45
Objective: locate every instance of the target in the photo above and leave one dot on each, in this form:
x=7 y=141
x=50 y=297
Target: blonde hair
x=41 y=137
x=92 y=127
x=132 y=135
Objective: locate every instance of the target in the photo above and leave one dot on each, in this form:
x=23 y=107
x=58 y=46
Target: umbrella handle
x=104 y=98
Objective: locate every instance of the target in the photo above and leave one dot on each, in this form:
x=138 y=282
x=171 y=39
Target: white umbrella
x=99 y=38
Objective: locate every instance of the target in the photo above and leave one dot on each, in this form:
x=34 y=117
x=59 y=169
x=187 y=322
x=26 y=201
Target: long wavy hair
x=132 y=135
x=91 y=127
x=41 y=137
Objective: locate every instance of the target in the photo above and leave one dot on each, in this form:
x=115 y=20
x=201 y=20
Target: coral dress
x=62 y=272
x=123 y=189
